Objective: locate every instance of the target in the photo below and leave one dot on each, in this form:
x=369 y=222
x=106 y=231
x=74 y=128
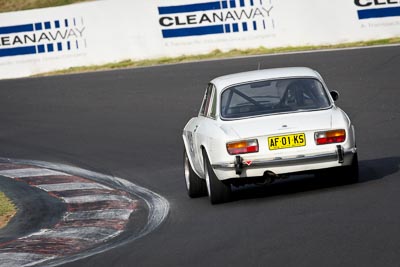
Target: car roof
x=265 y=74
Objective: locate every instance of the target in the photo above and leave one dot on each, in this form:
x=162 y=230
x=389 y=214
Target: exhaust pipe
x=269 y=177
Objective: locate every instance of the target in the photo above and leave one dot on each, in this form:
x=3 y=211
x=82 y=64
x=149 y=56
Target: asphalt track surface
x=128 y=123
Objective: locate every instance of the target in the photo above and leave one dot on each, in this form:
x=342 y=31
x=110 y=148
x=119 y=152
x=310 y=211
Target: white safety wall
x=105 y=31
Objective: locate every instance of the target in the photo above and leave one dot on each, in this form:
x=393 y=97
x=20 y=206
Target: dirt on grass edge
x=7 y=210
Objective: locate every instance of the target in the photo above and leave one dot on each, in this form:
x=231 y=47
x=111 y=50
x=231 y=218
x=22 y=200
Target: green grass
x=15 y=5
x=216 y=54
x=7 y=210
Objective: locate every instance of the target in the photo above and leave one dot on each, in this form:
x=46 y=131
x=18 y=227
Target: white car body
x=210 y=132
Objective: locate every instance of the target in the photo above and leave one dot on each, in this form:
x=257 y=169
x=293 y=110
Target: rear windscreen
x=273 y=96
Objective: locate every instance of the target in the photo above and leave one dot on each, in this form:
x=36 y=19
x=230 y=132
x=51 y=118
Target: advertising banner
x=104 y=31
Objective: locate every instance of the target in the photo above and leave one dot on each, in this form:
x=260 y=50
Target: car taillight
x=242 y=147
x=330 y=137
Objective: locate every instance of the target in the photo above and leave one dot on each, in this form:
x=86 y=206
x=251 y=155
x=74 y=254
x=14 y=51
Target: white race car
x=257 y=126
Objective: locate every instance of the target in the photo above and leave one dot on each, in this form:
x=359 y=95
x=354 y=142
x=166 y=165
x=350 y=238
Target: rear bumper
x=253 y=168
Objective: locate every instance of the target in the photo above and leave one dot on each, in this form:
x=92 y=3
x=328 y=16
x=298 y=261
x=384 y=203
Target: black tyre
x=350 y=174
x=196 y=187
x=353 y=170
x=218 y=191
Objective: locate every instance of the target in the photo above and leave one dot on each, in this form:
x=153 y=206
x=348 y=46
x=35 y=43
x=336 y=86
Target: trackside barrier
x=106 y=31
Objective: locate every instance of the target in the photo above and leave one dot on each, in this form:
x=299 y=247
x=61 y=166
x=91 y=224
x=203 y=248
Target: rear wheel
x=354 y=170
x=196 y=187
x=350 y=174
x=218 y=191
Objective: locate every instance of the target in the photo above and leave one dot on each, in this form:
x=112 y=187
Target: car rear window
x=273 y=96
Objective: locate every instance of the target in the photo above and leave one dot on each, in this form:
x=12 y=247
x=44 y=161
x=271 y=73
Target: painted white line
x=11 y=259
x=71 y=186
x=115 y=214
x=93 y=234
x=96 y=198
x=30 y=172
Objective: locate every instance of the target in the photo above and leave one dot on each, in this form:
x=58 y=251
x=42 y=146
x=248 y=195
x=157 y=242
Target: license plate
x=286 y=141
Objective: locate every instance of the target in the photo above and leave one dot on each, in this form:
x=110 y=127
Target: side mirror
x=335 y=95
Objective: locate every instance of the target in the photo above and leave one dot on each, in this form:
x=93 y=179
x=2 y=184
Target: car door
x=198 y=137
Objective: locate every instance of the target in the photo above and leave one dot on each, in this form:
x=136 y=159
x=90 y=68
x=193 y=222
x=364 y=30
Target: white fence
x=112 y=30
